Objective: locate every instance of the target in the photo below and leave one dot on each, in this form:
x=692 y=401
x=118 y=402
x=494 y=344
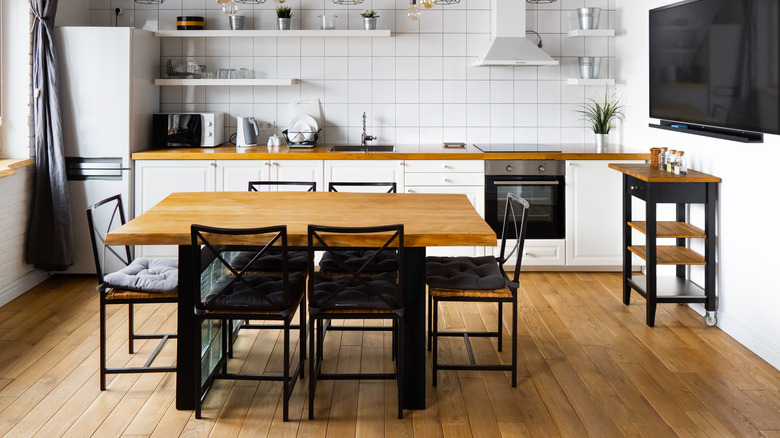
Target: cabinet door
x=476 y=195
x=156 y=179
x=593 y=214
x=233 y=175
x=298 y=170
x=365 y=170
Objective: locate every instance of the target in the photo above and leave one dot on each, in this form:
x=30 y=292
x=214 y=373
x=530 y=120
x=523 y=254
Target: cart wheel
x=710 y=319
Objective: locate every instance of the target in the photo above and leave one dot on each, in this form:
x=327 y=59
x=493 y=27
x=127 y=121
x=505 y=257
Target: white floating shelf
x=592 y=33
x=578 y=81
x=237 y=82
x=273 y=33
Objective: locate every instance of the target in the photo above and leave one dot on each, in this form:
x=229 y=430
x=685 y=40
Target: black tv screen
x=715 y=63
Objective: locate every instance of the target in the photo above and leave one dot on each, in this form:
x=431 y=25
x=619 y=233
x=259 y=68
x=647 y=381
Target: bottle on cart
x=662 y=159
x=681 y=165
x=670 y=157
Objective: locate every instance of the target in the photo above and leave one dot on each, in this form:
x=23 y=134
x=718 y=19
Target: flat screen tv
x=714 y=67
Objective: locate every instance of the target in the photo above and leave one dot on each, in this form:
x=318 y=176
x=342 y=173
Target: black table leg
x=188 y=350
x=414 y=332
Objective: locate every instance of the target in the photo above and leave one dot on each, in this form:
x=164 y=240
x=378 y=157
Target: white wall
x=14 y=132
x=749 y=294
x=416 y=86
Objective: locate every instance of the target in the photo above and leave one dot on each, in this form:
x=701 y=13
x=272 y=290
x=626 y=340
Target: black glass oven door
x=545 y=194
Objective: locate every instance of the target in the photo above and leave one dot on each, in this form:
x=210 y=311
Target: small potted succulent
x=600 y=115
x=283 y=15
x=369 y=19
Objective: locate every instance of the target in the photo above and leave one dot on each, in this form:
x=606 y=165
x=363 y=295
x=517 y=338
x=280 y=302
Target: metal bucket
x=588 y=17
x=589 y=67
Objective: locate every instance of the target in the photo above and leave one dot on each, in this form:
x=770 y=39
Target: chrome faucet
x=365 y=137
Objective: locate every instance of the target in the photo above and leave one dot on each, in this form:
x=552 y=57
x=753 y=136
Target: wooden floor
x=589 y=366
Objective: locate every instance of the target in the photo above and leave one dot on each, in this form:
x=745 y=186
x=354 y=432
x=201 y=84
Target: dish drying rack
x=290 y=142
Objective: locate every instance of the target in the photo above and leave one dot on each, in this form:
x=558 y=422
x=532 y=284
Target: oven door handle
x=526 y=183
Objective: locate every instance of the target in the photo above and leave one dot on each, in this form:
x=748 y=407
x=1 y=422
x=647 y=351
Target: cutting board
x=307 y=106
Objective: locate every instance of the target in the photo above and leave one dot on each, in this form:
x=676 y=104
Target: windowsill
x=7 y=165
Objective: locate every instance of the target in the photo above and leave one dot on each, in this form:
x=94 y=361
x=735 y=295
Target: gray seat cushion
x=377 y=293
x=463 y=273
x=266 y=293
x=146 y=275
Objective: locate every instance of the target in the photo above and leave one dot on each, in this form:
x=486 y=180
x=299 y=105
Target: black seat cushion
x=386 y=261
x=271 y=261
x=266 y=293
x=146 y=275
x=463 y=273
x=377 y=292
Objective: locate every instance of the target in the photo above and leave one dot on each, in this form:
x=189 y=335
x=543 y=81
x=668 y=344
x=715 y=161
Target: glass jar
x=682 y=164
x=662 y=159
x=670 y=157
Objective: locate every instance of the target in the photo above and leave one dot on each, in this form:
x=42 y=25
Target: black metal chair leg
x=130 y=335
x=102 y=343
x=435 y=358
x=500 y=331
x=430 y=325
x=514 y=343
x=313 y=359
x=399 y=367
x=286 y=374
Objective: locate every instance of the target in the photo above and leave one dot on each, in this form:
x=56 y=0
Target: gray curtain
x=50 y=239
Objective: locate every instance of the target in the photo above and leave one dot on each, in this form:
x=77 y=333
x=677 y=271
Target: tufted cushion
x=379 y=292
x=266 y=293
x=386 y=261
x=463 y=273
x=271 y=261
x=146 y=275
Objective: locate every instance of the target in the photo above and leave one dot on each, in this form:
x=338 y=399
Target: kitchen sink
x=359 y=148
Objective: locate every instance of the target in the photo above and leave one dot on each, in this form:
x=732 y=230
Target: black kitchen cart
x=658 y=187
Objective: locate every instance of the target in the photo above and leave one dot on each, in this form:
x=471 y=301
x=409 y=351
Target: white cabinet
x=364 y=170
x=441 y=176
x=593 y=214
x=233 y=175
x=156 y=179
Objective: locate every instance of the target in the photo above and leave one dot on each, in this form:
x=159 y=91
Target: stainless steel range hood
x=509 y=45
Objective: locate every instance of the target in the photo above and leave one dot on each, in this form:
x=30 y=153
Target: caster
x=710 y=319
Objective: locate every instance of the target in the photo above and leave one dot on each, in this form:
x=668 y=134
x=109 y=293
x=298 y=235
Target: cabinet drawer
x=444 y=179
x=547 y=252
x=425 y=166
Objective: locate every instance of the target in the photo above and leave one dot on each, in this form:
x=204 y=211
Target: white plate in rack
x=302 y=123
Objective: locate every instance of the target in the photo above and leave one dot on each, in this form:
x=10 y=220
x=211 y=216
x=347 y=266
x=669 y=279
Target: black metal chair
x=391 y=186
x=225 y=290
x=355 y=295
x=254 y=186
x=478 y=279
x=124 y=280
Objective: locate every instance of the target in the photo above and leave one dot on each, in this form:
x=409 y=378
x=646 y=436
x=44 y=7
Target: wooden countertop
x=403 y=152
x=7 y=165
x=648 y=173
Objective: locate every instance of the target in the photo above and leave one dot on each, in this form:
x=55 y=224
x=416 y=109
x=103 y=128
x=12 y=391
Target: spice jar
x=662 y=159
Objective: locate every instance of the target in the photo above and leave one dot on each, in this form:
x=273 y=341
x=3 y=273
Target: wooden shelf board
x=670 y=289
x=666 y=229
x=229 y=82
x=578 y=81
x=592 y=33
x=273 y=33
x=648 y=173
x=670 y=255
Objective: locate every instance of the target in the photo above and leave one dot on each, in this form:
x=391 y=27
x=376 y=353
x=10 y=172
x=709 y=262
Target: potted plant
x=283 y=15
x=369 y=19
x=600 y=115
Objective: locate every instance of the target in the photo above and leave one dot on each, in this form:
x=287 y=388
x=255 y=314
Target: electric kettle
x=246 y=131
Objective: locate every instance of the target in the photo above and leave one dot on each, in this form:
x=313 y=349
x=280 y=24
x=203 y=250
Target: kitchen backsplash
x=415 y=86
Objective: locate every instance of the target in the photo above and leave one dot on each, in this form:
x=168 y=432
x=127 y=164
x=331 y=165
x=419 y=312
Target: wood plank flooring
x=588 y=366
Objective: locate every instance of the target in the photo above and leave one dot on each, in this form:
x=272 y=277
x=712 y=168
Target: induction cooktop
x=517 y=147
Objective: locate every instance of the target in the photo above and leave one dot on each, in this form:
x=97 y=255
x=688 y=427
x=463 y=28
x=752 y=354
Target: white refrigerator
x=107 y=98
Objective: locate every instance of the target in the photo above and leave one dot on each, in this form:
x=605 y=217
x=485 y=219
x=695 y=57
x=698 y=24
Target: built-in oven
x=540 y=182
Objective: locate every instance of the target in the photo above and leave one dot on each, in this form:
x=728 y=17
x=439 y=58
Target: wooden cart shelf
x=658 y=187
x=670 y=229
x=671 y=255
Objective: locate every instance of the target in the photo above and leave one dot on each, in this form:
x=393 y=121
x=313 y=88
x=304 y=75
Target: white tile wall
x=416 y=86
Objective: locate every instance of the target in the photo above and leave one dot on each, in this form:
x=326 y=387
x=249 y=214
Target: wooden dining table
x=428 y=219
